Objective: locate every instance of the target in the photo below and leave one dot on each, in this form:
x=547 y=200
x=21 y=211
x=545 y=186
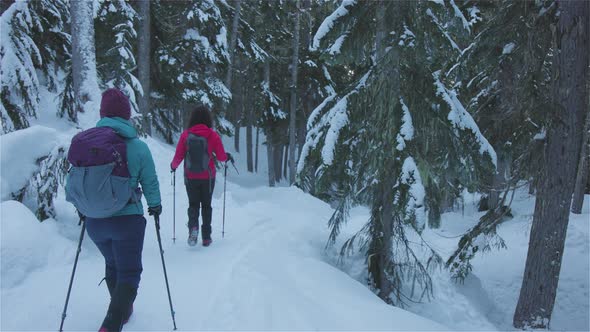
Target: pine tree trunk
x=286 y=165
x=83 y=52
x=143 y=64
x=385 y=285
x=237 y=137
x=550 y=220
x=232 y=43
x=583 y=169
x=293 y=106
x=249 y=154
x=278 y=159
x=256 y=150
x=271 y=161
x=238 y=103
x=499 y=181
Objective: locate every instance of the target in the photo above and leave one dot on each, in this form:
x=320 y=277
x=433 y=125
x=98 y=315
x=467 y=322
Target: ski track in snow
x=268 y=273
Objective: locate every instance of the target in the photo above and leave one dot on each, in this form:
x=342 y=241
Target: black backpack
x=197 y=154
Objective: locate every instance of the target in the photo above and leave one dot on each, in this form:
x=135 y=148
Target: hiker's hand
x=82 y=217
x=230 y=157
x=155 y=211
x=172 y=170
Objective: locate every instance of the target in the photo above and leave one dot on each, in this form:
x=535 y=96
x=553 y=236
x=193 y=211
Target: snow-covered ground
x=487 y=298
x=270 y=272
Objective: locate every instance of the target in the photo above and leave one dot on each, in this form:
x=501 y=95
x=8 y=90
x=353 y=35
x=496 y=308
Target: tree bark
x=499 y=181
x=582 y=176
x=551 y=216
x=232 y=43
x=143 y=64
x=84 y=76
x=293 y=108
x=271 y=162
x=278 y=161
x=286 y=162
x=385 y=285
x=256 y=150
x=249 y=154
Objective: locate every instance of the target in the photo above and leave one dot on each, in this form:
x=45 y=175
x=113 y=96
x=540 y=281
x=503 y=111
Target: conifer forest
x=426 y=161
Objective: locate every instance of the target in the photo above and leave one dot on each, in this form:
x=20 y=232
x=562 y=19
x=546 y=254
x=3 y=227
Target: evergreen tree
x=20 y=55
x=568 y=113
x=504 y=76
x=116 y=34
x=379 y=140
x=190 y=41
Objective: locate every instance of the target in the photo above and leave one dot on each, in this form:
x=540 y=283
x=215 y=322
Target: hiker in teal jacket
x=120 y=237
x=140 y=164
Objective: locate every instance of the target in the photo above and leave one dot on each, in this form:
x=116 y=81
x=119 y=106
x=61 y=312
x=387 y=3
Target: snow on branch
x=334 y=120
x=330 y=21
x=461 y=119
x=442 y=29
x=406 y=132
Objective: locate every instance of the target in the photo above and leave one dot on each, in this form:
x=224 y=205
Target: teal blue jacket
x=140 y=163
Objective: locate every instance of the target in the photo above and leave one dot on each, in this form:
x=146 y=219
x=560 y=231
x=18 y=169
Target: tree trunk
x=256 y=150
x=550 y=220
x=143 y=64
x=499 y=180
x=238 y=102
x=293 y=108
x=582 y=176
x=385 y=259
x=85 y=82
x=286 y=163
x=232 y=43
x=249 y=154
x=271 y=161
x=278 y=160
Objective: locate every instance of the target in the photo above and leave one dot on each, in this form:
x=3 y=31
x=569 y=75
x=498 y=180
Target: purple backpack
x=98 y=182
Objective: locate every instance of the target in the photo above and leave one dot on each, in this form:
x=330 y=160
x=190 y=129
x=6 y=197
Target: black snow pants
x=200 y=193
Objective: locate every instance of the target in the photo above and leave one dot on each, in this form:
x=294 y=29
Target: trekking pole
x=157 y=219
x=234 y=165
x=174 y=206
x=224 y=186
x=63 y=315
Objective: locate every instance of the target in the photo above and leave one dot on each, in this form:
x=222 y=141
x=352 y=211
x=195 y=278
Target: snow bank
x=27 y=244
x=19 y=153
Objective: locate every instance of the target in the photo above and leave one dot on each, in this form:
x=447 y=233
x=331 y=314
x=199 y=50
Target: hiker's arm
x=149 y=179
x=218 y=148
x=180 y=151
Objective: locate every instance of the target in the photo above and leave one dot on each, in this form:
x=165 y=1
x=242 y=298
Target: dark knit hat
x=114 y=103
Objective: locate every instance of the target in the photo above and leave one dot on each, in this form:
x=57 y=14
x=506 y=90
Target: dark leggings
x=120 y=241
x=200 y=193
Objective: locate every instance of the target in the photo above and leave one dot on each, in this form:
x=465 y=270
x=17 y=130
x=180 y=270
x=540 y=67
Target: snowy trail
x=268 y=273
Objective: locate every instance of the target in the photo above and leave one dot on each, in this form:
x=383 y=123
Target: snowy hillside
x=268 y=273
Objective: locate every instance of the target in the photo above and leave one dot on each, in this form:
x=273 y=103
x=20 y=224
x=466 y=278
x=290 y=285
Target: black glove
x=172 y=170
x=155 y=210
x=230 y=157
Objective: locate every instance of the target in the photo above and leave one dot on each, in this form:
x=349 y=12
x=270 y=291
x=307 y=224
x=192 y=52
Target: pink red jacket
x=214 y=144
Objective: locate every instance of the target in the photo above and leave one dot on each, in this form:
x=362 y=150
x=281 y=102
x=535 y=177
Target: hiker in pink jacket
x=198 y=145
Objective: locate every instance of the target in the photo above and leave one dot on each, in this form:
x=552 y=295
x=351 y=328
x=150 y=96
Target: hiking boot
x=193 y=236
x=120 y=308
x=207 y=242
